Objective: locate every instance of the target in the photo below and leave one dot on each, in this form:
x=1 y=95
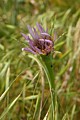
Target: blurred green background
x=20 y=76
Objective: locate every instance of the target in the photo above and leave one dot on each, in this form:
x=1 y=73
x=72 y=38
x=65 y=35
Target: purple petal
x=29 y=50
x=31 y=44
x=36 y=34
x=25 y=36
x=38 y=50
x=31 y=32
x=34 y=47
x=45 y=40
x=45 y=34
x=40 y=28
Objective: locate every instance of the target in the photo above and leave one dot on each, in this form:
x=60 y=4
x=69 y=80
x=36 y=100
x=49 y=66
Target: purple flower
x=40 y=42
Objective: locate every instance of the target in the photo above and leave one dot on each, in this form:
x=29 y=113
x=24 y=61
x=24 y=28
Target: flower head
x=40 y=43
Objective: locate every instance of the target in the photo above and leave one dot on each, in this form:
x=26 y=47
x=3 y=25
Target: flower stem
x=49 y=67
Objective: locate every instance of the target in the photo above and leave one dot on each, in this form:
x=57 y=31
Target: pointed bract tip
x=22 y=49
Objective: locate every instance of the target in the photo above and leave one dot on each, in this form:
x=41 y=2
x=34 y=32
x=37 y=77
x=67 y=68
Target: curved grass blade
x=10 y=106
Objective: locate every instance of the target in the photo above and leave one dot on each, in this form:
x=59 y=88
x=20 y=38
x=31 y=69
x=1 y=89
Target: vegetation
x=24 y=88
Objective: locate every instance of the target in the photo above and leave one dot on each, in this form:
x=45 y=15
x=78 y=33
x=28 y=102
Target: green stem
x=49 y=67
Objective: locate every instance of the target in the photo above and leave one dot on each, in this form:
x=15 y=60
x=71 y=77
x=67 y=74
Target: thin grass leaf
x=10 y=106
x=29 y=97
x=1 y=47
x=69 y=38
x=2 y=73
x=73 y=112
x=6 y=91
x=65 y=54
x=66 y=15
x=47 y=114
x=11 y=27
x=7 y=83
x=65 y=116
x=63 y=70
x=58 y=45
x=37 y=108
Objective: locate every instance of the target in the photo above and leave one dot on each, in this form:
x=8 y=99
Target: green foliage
x=24 y=89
